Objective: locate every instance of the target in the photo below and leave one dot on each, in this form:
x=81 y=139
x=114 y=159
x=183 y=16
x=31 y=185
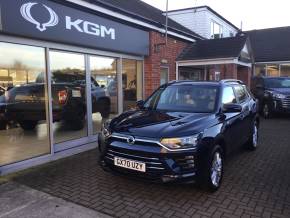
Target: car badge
x=131 y=140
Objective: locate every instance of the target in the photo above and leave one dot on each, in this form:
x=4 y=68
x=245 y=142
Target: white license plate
x=130 y=164
x=76 y=94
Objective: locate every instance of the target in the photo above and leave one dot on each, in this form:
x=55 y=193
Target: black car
x=183 y=132
x=273 y=94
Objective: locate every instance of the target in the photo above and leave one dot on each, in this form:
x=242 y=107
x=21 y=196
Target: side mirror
x=140 y=104
x=232 y=108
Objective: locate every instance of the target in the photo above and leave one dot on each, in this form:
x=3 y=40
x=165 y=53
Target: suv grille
x=286 y=102
x=138 y=141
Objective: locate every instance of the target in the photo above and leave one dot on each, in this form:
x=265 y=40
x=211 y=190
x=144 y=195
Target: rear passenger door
x=245 y=116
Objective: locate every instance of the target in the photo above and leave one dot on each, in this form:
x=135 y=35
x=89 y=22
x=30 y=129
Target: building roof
x=145 y=12
x=270 y=44
x=214 y=49
x=211 y=10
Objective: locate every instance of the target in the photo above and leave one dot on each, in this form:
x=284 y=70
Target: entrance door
x=132 y=82
x=104 y=90
x=69 y=102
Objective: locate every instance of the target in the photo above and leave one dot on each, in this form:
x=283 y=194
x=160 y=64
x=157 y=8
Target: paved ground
x=256 y=184
x=18 y=201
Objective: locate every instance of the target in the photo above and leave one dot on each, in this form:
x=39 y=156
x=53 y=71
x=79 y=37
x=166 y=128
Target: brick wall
x=153 y=63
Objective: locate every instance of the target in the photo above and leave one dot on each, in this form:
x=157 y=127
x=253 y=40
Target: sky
x=254 y=14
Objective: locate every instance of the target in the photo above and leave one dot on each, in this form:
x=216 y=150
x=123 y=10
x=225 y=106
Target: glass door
x=132 y=83
x=104 y=90
x=69 y=104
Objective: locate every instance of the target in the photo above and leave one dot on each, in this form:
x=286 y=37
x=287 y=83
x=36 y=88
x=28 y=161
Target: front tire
x=105 y=108
x=267 y=113
x=211 y=174
x=28 y=124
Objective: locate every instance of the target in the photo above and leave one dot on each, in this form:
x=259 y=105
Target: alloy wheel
x=266 y=110
x=216 y=169
x=255 y=136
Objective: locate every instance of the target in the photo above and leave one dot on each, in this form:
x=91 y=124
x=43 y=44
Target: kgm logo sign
x=79 y=25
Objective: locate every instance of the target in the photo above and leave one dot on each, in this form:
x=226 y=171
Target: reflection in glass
x=132 y=77
x=104 y=90
x=164 y=73
x=260 y=70
x=69 y=96
x=23 y=100
x=273 y=70
x=285 y=69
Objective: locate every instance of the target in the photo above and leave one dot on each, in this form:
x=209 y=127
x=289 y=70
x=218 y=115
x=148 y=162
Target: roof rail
x=232 y=81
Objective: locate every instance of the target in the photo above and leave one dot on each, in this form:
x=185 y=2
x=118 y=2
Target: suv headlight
x=189 y=142
x=278 y=95
x=106 y=128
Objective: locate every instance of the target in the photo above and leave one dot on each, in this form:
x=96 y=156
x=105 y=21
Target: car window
x=184 y=98
x=228 y=96
x=277 y=82
x=241 y=93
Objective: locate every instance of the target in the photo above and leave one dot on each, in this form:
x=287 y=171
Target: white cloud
x=255 y=14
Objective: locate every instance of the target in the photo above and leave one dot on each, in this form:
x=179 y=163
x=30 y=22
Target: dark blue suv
x=182 y=132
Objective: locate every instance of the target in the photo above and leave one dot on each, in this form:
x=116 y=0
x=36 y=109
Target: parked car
x=2 y=90
x=183 y=132
x=25 y=104
x=273 y=94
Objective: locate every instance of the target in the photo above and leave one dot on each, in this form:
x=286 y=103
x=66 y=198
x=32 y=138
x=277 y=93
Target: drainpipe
x=166 y=22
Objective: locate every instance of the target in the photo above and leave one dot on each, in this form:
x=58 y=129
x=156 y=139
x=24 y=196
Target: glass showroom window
x=285 y=70
x=68 y=86
x=260 y=70
x=23 y=103
x=132 y=82
x=104 y=88
x=273 y=70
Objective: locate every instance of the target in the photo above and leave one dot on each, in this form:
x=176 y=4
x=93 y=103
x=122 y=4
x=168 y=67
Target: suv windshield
x=277 y=82
x=184 y=98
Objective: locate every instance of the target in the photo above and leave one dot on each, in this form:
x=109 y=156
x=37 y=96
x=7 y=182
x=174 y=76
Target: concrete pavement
x=21 y=201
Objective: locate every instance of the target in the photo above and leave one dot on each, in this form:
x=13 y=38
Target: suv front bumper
x=161 y=166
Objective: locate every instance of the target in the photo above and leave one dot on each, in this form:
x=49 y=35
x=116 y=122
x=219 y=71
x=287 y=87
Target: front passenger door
x=232 y=126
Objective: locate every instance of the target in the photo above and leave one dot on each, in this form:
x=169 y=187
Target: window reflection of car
x=25 y=104
x=2 y=91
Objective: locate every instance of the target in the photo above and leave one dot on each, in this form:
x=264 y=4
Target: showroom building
x=67 y=66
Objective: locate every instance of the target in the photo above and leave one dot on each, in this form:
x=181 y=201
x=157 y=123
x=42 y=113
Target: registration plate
x=130 y=164
x=76 y=93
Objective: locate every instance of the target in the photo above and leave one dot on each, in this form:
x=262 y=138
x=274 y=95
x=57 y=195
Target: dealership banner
x=47 y=20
